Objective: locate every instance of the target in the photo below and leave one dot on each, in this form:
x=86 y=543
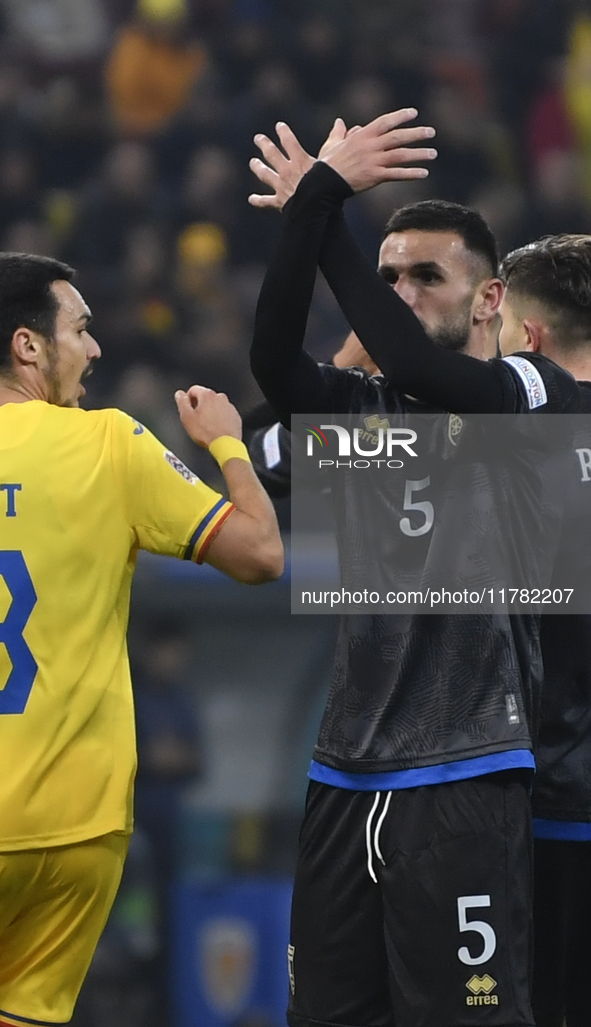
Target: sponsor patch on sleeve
x=531 y=379
x=180 y=467
x=271 y=448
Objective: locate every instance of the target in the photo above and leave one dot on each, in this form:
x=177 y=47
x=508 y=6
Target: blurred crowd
x=126 y=128
x=125 y=133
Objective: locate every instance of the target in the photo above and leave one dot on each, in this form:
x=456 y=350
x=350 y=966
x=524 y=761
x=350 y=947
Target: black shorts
x=412 y=908
x=562 y=933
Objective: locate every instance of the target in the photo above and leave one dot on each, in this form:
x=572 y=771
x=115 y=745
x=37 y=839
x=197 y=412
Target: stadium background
x=125 y=132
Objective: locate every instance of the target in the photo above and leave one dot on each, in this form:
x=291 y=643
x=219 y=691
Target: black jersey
x=415 y=699
x=562 y=785
x=420 y=691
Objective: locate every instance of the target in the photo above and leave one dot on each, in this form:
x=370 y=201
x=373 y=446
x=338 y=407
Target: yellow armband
x=225 y=447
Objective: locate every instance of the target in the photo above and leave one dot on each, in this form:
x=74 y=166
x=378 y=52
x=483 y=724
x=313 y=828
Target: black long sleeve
x=290 y=379
x=315 y=232
x=395 y=339
x=412 y=364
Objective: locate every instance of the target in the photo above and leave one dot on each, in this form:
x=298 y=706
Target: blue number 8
x=15 y=694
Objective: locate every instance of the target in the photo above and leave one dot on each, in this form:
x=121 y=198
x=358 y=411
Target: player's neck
x=578 y=363
x=14 y=392
x=482 y=342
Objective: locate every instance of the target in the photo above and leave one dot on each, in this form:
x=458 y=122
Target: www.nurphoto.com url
x=432 y=597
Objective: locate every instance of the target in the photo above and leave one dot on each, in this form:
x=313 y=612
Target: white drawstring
x=376 y=840
x=376 y=837
x=370 y=869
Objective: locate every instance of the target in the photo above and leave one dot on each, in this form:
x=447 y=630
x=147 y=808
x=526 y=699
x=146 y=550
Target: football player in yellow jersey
x=80 y=493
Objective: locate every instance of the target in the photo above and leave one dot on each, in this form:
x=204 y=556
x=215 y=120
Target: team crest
x=180 y=467
x=228 y=957
x=454 y=427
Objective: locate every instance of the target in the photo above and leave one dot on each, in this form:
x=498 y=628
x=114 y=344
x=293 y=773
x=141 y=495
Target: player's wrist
x=227 y=447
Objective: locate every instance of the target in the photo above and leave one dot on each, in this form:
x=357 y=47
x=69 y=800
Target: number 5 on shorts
x=466 y=902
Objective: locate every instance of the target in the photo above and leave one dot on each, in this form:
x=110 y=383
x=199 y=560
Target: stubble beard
x=454 y=333
x=52 y=379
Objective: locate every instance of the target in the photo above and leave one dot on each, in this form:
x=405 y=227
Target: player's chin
x=75 y=400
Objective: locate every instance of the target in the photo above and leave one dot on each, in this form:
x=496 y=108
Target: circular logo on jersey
x=454 y=428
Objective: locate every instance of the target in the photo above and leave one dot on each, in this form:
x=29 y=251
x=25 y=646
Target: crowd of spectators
x=126 y=128
x=125 y=133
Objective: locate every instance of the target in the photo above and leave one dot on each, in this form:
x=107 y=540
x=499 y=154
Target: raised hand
x=377 y=152
x=283 y=170
x=364 y=157
x=205 y=415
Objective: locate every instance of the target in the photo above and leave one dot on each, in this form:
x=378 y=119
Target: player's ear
x=26 y=346
x=533 y=331
x=489 y=299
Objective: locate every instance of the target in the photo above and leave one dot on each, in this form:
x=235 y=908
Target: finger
x=290 y=142
x=336 y=135
x=404 y=174
x=265 y=202
x=406 y=155
x=386 y=122
x=264 y=174
x=270 y=151
x=338 y=132
x=355 y=128
x=183 y=403
x=196 y=393
x=404 y=136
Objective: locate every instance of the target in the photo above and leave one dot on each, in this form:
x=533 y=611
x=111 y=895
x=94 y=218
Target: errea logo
x=481 y=988
x=374 y=422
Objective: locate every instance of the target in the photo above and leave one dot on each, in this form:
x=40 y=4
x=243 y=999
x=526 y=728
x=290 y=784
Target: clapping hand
x=364 y=157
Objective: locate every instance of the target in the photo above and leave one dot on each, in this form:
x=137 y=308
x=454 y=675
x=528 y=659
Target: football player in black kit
x=548 y=300
x=412 y=893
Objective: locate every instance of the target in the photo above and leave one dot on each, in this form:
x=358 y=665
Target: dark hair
x=26 y=299
x=444 y=216
x=555 y=271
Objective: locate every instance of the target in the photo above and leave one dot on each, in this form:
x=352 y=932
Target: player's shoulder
x=585 y=388
x=539 y=384
x=110 y=429
x=102 y=418
x=112 y=421
x=123 y=422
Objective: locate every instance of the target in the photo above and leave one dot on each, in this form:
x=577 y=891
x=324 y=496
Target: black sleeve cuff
x=321 y=182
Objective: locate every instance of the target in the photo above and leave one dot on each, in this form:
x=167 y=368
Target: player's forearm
x=250 y=550
x=289 y=377
x=389 y=331
x=392 y=334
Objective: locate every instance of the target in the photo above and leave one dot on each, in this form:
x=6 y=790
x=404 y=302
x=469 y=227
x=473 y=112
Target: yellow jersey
x=80 y=493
